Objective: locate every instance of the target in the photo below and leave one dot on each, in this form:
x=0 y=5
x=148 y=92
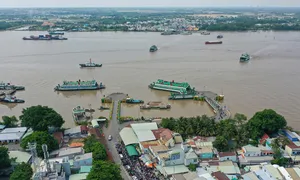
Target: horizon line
x=249 y=6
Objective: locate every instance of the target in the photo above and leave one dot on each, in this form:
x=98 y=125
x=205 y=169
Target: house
x=201 y=147
x=227 y=167
x=59 y=138
x=67 y=152
x=290 y=135
x=83 y=160
x=20 y=156
x=250 y=150
x=255 y=155
x=293 y=148
x=190 y=158
x=272 y=172
x=250 y=176
x=219 y=176
x=77 y=132
x=12 y=135
x=227 y=156
x=165 y=136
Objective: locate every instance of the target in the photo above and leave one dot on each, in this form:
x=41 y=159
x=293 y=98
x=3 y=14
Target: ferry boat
x=11 y=99
x=8 y=86
x=172 y=86
x=90 y=64
x=79 y=85
x=78 y=114
x=213 y=42
x=153 y=48
x=45 y=37
x=244 y=57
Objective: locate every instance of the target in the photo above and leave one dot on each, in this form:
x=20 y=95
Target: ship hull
x=85 y=66
x=213 y=42
x=163 y=89
x=79 y=89
x=44 y=39
x=16 y=101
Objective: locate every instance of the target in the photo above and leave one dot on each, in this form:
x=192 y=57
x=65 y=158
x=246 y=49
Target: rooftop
x=250 y=176
x=20 y=155
x=163 y=134
x=58 y=136
x=128 y=136
x=85 y=169
x=147 y=144
x=224 y=154
x=69 y=151
x=145 y=135
x=172 y=83
x=73 y=130
x=14 y=130
x=83 y=156
x=219 y=175
x=78 y=176
x=159 y=149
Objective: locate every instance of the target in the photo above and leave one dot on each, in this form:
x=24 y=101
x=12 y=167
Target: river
x=269 y=80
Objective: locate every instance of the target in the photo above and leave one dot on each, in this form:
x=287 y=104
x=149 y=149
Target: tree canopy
x=91 y=144
x=40 y=137
x=4 y=157
x=22 y=171
x=103 y=170
x=40 y=118
x=9 y=122
x=266 y=121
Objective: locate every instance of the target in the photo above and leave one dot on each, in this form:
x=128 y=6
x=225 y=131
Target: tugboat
x=11 y=99
x=220 y=36
x=153 y=48
x=79 y=85
x=90 y=64
x=244 y=57
x=8 y=86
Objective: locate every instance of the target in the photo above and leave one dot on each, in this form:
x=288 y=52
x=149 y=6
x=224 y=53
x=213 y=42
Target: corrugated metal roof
x=20 y=155
x=14 y=130
x=128 y=136
x=144 y=126
x=11 y=136
x=250 y=176
x=145 y=135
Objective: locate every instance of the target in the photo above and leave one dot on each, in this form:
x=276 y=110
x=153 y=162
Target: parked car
x=109 y=137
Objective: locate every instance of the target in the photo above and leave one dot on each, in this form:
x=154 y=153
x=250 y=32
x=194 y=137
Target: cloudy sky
x=145 y=3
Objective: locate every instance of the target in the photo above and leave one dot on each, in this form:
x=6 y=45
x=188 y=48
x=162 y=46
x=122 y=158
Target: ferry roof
x=179 y=84
x=73 y=83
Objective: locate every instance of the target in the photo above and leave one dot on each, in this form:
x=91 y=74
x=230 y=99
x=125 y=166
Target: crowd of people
x=135 y=167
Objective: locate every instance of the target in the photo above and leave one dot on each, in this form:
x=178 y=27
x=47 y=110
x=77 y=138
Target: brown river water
x=269 y=80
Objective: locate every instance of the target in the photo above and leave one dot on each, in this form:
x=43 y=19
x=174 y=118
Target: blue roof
x=85 y=169
x=2 y=126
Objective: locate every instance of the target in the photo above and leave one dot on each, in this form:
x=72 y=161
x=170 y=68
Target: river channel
x=269 y=80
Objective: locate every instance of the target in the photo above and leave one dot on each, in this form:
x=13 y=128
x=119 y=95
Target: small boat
x=90 y=64
x=244 y=57
x=11 y=99
x=220 y=36
x=103 y=108
x=153 y=48
x=8 y=86
x=213 y=42
x=205 y=33
x=133 y=101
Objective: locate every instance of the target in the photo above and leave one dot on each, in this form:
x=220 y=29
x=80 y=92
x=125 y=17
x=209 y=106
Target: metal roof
x=128 y=136
x=11 y=136
x=14 y=130
x=144 y=126
x=131 y=150
x=73 y=130
x=145 y=135
x=69 y=151
x=20 y=155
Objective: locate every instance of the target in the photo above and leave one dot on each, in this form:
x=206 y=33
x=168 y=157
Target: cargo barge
x=172 y=86
x=79 y=85
x=46 y=37
x=213 y=42
x=8 y=86
x=155 y=105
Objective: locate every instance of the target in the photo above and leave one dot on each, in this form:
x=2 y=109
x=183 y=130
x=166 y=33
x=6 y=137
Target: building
x=21 y=156
x=67 y=152
x=77 y=132
x=190 y=158
x=226 y=167
x=227 y=156
x=202 y=147
x=255 y=155
x=219 y=176
x=250 y=176
x=59 y=137
x=83 y=160
x=293 y=148
x=269 y=171
x=12 y=135
x=165 y=136
x=290 y=135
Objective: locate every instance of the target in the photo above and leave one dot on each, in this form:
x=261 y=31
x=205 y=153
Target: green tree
x=266 y=121
x=10 y=122
x=168 y=123
x=104 y=170
x=4 y=157
x=40 y=137
x=221 y=144
x=192 y=167
x=22 y=171
x=91 y=144
x=280 y=161
x=240 y=118
x=40 y=118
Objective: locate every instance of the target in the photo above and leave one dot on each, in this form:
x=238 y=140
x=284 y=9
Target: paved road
x=113 y=129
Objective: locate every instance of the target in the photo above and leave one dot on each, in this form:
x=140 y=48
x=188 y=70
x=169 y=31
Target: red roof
x=58 y=136
x=264 y=138
x=224 y=154
x=219 y=175
x=293 y=146
x=83 y=128
x=163 y=133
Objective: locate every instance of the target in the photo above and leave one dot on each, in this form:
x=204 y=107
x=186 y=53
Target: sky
x=146 y=3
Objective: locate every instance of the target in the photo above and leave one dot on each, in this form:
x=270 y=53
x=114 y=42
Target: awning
x=131 y=150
